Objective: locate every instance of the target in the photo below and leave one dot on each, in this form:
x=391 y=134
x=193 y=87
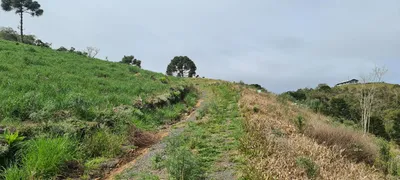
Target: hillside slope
x=284 y=141
x=65 y=114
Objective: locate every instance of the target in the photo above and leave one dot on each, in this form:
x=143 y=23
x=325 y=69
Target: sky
x=280 y=44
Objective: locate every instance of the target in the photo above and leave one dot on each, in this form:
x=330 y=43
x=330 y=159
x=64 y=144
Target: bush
x=102 y=143
x=62 y=49
x=180 y=162
x=311 y=168
x=383 y=161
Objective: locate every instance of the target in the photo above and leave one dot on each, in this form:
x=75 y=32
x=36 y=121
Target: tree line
x=372 y=107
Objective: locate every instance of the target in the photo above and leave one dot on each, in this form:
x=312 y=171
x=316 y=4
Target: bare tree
x=367 y=94
x=92 y=51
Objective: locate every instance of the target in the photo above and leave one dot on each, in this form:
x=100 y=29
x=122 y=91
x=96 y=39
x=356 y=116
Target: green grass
x=37 y=83
x=47 y=93
x=43 y=158
x=213 y=137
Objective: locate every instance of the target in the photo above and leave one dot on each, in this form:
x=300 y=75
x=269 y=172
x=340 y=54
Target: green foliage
x=102 y=143
x=12 y=138
x=343 y=103
x=396 y=129
x=182 y=66
x=384 y=158
x=9 y=34
x=300 y=124
x=15 y=173
x=377 y=127
x=310 y=167
x=181 y=163
x=131 y=60
x=62 y=49
x=42 y=158
x=72 y=84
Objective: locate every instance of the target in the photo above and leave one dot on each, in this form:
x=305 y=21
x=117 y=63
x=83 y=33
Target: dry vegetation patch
x=277 y=150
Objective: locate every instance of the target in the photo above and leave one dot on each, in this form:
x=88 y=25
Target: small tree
x=181 y=66
x=9 y=34
x=396 y=129
x=132 y=61
x=367 y=94
x=22 y=6
x=92 y=51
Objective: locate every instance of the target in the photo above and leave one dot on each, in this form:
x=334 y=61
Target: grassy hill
x=84 y=107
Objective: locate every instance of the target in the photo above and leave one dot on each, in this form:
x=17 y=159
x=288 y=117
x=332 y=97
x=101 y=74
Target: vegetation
x=343 y=103
x=10 y=34
x=276 y=148
x=181 y=66
x=21 y=7
x=73 y=110
x=131 y=60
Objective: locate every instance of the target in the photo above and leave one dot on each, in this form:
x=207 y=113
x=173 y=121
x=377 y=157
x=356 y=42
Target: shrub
x=164 y=80
x=383 y=161
x=62 y=49
x=180 y=162
x=102 y=143
x=45 y=157
x=310 y=167
x=300 y=124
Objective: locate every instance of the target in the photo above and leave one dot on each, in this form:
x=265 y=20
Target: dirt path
x=142 y=162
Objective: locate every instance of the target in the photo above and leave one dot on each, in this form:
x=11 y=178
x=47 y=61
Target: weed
x=102 y=143
x=300 y=124
x=157 y=161
x=310 y=167
x=12 y=138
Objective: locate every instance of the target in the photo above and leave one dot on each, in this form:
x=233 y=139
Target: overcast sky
x=280 y=44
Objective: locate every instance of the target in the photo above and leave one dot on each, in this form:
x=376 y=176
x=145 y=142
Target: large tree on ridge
x=181 y=66
x=22 y=6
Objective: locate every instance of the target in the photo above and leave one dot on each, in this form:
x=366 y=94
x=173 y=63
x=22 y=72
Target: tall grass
x=45 y=82
x=43 y=158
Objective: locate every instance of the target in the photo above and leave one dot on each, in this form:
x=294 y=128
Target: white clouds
x=281 y=44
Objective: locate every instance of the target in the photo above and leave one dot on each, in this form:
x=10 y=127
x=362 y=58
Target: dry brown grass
x=354 y=145
x=272 y=143
x=140 y=138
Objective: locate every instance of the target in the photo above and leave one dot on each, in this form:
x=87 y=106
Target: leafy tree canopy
x=181 y=66
x=22 y=6
x=131 y=60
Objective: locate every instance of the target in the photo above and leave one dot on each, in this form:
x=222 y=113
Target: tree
x=323 y=88
x=396 y=129
x=367 y=94
x=9 y=34
x=22 y=6
x=132 y=61
x=181 y=66
x=92 y=52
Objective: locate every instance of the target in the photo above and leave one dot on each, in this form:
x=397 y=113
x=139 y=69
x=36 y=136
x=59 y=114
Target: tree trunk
x=22 y=26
